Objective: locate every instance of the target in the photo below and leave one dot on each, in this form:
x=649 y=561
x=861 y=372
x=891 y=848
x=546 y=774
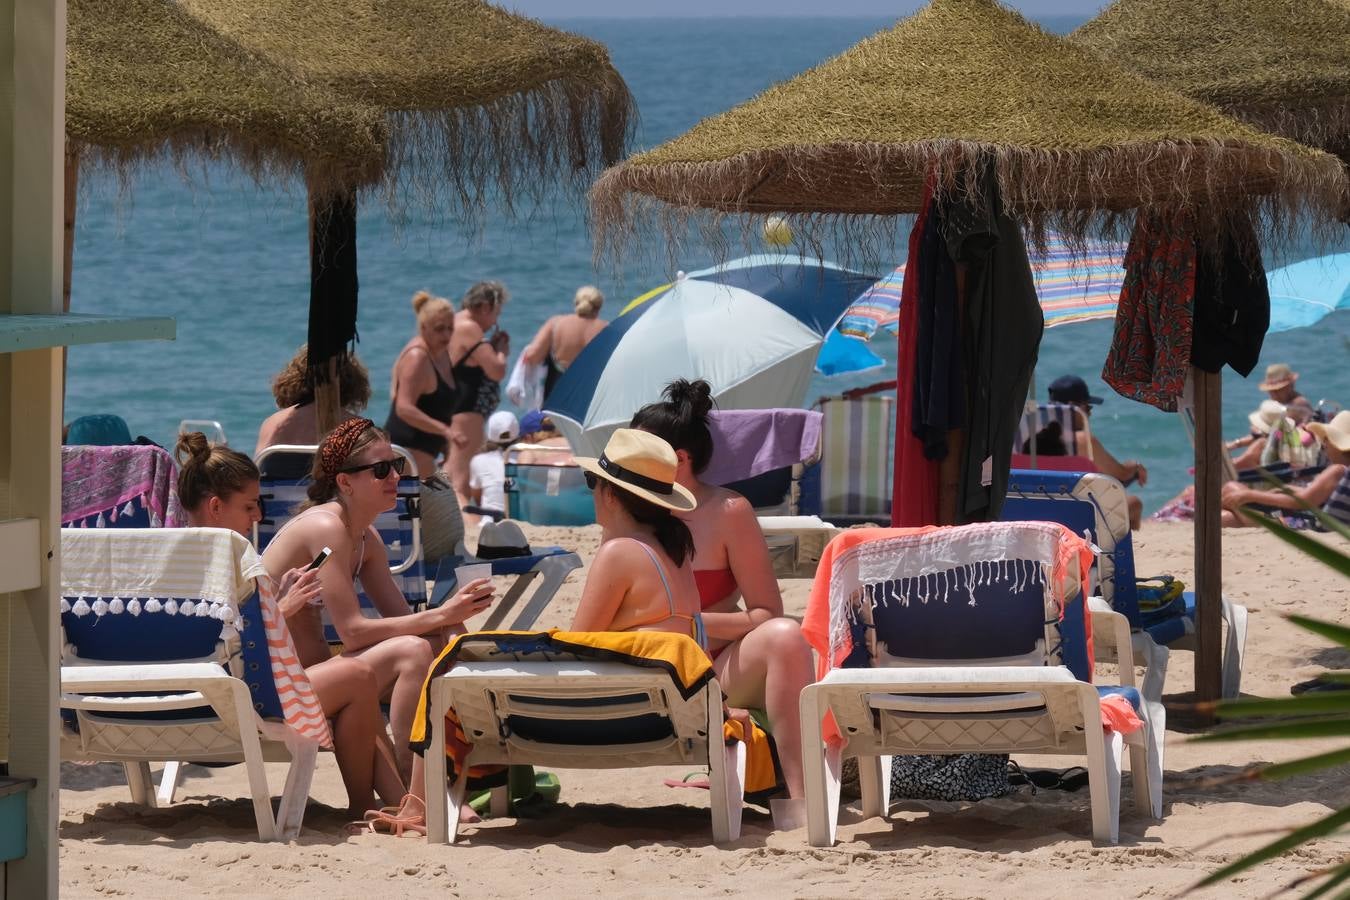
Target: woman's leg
x=466 y=439
x=1136 y=510
x=425 y=462
x=767 y=669
x=400 y=665
x=348 y=692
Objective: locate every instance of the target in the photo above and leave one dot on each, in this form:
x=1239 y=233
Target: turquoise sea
x=229 y=261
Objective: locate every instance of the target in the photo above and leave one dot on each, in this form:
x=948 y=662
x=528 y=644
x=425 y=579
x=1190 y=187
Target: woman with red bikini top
x=761 y=658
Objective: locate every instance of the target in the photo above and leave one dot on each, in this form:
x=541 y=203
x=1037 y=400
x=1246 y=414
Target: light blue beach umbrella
x=752 y=328
x=1302 y=293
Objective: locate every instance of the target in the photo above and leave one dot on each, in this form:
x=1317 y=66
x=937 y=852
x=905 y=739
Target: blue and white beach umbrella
x=751 y=328
x=1301 y=294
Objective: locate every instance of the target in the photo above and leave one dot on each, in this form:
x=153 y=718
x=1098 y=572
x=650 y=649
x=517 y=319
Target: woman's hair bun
x=421 y=299
x=693 y=397
x=191 y=446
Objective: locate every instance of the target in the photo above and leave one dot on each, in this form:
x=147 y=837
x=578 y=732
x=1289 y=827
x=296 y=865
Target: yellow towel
x=679 y=656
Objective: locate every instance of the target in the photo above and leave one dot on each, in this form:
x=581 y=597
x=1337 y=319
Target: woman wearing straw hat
x=642 y=577
x=761 y=657
x=1330 y=490
x=1279 y=384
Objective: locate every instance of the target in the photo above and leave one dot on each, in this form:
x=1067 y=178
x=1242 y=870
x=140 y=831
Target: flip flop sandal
x=392 y=821
x=696 y=780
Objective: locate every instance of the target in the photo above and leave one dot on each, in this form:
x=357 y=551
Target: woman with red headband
x=355 y=478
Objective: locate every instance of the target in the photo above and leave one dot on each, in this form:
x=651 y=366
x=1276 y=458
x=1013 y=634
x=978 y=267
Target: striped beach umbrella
x=752 y=328
x=1072 y=288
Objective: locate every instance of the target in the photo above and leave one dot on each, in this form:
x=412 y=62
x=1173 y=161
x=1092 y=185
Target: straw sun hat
x=1267 y=416
x=1278 y=375
x=642 y=464
x=1336 y=432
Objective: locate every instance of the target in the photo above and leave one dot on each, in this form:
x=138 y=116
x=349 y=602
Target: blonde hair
x=207 y=471
x=489 y=294
x=428 y=306
x=588 y=301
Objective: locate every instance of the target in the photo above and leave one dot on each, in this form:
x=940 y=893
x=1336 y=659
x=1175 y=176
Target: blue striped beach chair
x=165 y=657
x=1094 y=505
x=852 y=481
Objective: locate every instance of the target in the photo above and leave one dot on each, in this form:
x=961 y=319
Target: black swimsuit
x=477 y=392
x=440 y=404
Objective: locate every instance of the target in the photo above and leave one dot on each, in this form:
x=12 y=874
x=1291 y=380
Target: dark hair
x=323 y=486
x=207 y=471
x=294 y=384
x=681 y=420
x=671 y=533
x=1049 y=441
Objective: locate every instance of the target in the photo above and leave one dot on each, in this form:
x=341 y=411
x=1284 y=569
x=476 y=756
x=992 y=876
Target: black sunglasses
x=380 y=469
x=591 y=481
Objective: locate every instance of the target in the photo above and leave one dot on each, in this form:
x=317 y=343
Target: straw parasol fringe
x=511 y=148
x=481 y=104
x=1075 y=142
x=145 y=81
x=1280 y=65
x=842 y=193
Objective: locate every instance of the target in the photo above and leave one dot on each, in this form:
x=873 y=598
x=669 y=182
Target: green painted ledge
x=38 y=332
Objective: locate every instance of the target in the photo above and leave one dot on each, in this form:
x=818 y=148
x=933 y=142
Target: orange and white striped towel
x=304 y=715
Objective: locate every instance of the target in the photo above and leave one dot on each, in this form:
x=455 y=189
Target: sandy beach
x=624 y=833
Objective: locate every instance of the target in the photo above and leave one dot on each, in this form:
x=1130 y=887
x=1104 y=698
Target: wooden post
x=72 y=189
x=328 y=401
x=1209 y=476
x=33 y=84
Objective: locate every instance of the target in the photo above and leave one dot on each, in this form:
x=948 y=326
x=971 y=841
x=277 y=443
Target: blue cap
x=531 y=422
x=1071 y=389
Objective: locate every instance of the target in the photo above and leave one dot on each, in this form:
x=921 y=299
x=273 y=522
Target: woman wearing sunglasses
x=355 y=478
x=219 y=488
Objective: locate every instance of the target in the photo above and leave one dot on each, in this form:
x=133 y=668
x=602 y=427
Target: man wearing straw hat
x=1279 y=384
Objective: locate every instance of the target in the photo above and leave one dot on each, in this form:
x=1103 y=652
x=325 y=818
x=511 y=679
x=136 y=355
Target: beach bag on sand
x=962 y=776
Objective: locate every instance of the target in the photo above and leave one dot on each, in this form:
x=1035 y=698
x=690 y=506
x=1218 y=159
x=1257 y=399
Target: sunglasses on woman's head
x=382 y=468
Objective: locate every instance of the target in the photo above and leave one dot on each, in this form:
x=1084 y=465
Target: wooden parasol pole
x=1209 y=476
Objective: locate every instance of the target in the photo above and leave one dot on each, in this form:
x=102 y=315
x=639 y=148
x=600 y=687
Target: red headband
x=338 y=445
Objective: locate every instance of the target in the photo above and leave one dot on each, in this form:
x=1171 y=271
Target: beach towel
x=123 y=574
x=99 y=485
x=751 y=442
x=864 y=556
x=687 y=665
x=914 y=485
x=525 y=386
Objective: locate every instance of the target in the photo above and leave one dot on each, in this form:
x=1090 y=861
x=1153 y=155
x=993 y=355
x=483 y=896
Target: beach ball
x=777 y=232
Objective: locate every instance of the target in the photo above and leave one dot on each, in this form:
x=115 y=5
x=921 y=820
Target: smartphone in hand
x=320 y=559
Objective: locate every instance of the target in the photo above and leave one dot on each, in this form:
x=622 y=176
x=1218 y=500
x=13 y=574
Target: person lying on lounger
x=1329 y=490
x=761 y=658
x=219 y=488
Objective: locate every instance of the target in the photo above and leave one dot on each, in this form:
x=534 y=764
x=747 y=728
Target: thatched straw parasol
x=1281 y=65
x=486 y=102
x=482 y=105
x=1069 y=134
x=146 y=80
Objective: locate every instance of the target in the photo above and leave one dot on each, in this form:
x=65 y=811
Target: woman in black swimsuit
x=423 y=394
x=479 y=367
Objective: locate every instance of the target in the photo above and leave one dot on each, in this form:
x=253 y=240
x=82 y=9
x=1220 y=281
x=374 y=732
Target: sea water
x=229 y=261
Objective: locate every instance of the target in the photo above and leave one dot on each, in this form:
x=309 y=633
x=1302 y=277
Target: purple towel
x=750 y=442
x=102 y=483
